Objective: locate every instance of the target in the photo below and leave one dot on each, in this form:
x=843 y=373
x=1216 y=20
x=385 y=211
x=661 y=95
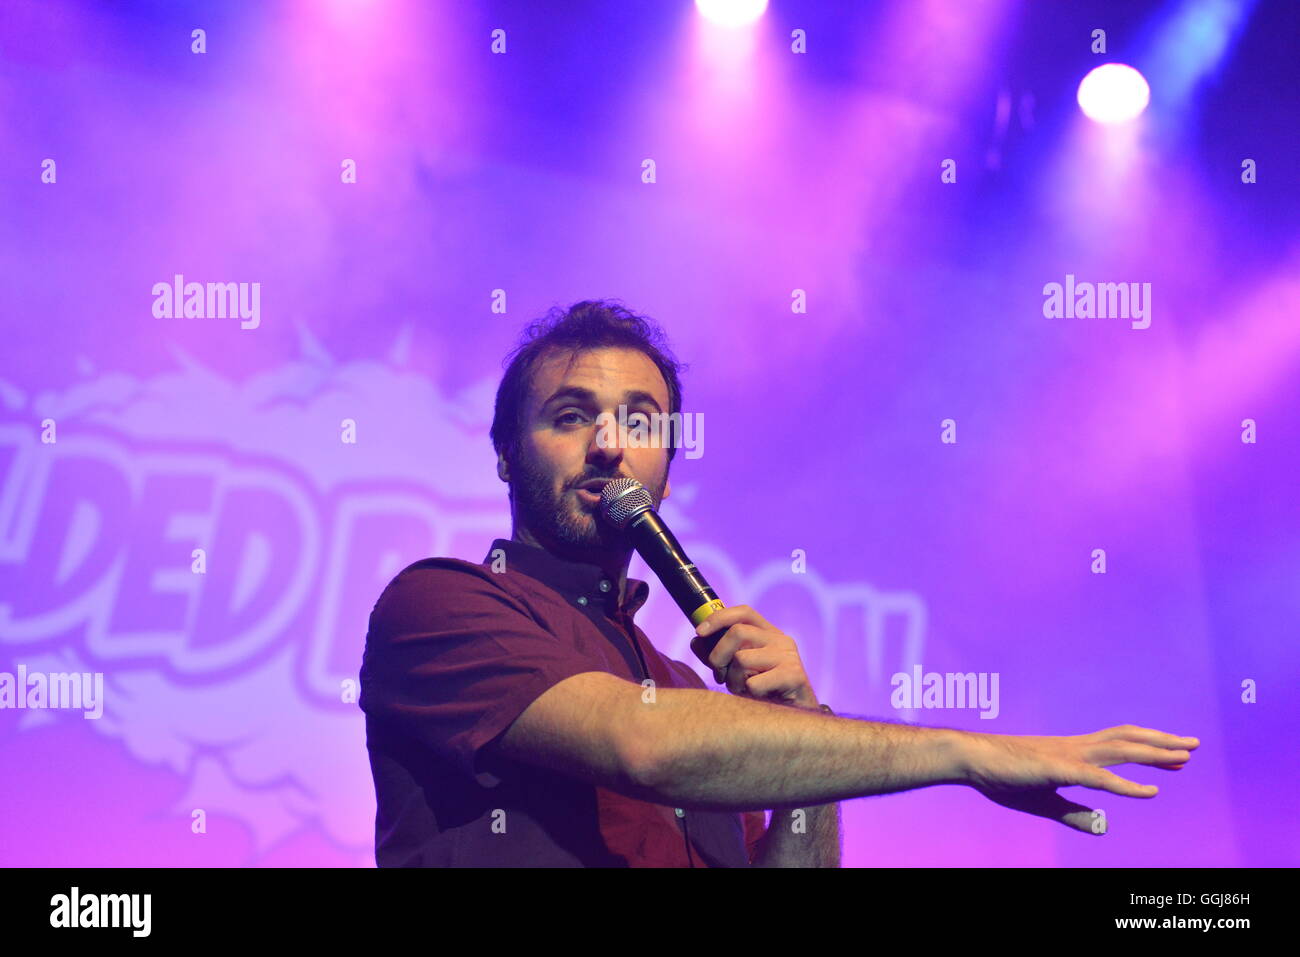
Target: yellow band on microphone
x=705 y=610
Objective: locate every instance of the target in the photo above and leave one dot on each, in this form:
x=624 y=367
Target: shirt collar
x=574 y=580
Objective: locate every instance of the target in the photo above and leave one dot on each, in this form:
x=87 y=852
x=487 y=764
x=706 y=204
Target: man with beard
x=517 y=716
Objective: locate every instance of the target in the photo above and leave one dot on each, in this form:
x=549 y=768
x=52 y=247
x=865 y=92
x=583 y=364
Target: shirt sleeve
x=453 y=659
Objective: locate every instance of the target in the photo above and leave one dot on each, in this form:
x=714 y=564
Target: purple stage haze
x=990 y=389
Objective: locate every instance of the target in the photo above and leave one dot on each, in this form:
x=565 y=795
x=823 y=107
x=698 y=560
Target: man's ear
x=668 y=487
x=503 y=470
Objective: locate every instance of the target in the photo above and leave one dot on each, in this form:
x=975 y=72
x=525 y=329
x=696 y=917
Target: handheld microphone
x=626 y=505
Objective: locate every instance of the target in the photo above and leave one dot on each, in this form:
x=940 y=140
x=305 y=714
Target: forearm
x=801 y=837
x=720 y=752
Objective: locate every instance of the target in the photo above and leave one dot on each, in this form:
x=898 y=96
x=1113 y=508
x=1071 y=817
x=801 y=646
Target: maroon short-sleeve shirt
x=454 y=654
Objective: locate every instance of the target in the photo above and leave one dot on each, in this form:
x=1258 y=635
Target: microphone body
x=627 y=505
x=662 y=552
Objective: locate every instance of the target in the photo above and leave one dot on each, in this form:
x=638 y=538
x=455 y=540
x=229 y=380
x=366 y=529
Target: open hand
x=1022 y=772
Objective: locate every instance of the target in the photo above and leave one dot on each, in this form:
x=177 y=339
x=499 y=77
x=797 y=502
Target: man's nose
x=609 y=453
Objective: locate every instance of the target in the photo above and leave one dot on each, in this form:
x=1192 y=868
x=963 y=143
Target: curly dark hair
x=586 y=325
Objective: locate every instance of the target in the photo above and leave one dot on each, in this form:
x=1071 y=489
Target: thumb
x=1046 y=802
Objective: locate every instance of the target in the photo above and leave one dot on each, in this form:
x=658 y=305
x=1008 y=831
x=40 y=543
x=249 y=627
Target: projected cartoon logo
x=215 y=549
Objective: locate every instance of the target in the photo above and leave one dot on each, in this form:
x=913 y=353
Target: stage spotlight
x=1113 y=93
x=731 y=13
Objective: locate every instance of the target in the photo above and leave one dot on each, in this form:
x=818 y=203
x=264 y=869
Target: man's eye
x=569 y=418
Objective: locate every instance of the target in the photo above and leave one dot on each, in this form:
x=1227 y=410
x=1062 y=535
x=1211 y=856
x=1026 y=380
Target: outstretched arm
x=692 y=748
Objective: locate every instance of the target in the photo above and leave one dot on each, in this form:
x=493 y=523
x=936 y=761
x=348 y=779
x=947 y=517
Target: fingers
x=1087 y=757
x=1125 y=753
x=1129 y=744
x=1104 y=780
x=705 y=648
x=720 y=638
x=701 y=648
x=747 y=664
x=724 y=651
x=760 y=672
x=1051 y=805
x=1148 y=736
x=771 y=685
x=734 y=615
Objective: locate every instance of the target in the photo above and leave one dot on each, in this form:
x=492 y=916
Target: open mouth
x=589 y=491
x=590 y=496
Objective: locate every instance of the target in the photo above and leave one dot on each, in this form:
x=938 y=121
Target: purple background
x=775 y=172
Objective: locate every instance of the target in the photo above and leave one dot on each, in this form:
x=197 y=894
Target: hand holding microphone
x=746 y=652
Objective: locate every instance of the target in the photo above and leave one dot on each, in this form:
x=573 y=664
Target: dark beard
x=560 y=522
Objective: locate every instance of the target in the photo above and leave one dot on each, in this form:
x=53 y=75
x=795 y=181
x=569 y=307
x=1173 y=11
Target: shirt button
x=604 y=585
x=680 y=812
x=582 y=600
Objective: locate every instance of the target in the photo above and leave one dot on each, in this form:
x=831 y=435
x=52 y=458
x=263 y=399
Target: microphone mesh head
x=622 y=499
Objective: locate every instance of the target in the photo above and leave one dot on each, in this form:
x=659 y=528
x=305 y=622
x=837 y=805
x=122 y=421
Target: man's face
x=559 y=450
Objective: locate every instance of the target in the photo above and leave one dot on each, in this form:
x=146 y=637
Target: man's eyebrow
x=571 y=392
x=578 y=393
x=635 y=396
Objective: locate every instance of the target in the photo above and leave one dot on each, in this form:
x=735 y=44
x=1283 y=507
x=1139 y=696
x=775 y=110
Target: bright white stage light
x=731 y=13
x=1113 y=93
